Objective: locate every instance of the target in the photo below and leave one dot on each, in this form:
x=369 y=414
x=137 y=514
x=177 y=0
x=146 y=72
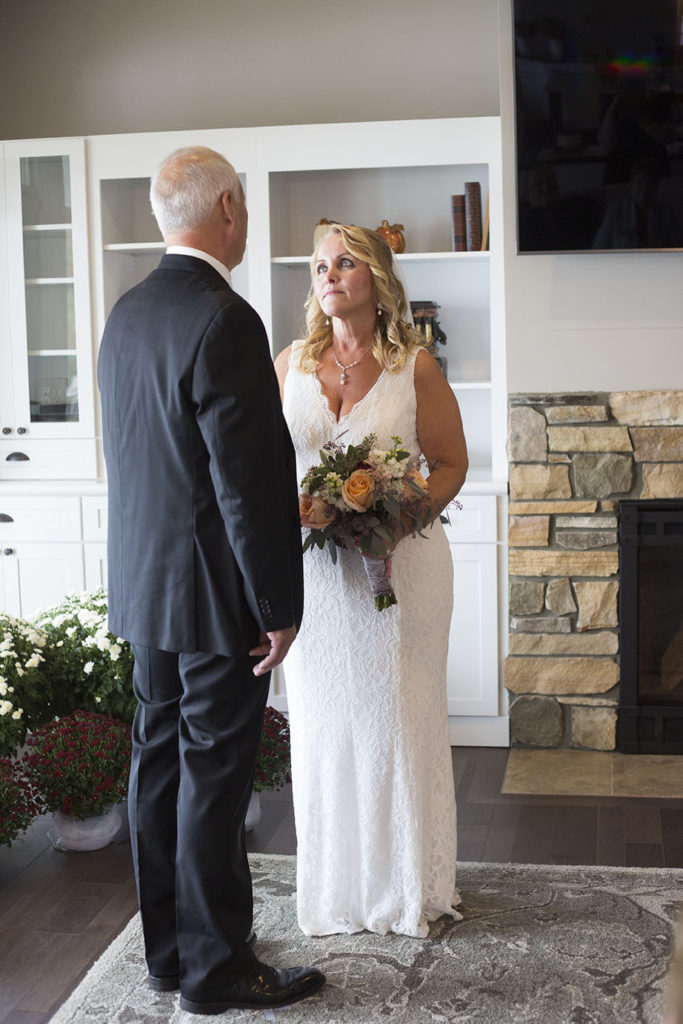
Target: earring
x=327 y=321
x=379 y=309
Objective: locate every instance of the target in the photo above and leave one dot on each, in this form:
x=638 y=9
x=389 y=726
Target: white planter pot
x=93 y=833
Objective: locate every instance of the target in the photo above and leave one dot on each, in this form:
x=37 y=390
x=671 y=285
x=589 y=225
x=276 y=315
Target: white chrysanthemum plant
x=89 y=667
x=24 y=692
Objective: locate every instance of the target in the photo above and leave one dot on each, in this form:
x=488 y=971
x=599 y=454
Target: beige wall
x=86 y=67
x=83 y=67
x=603 y=321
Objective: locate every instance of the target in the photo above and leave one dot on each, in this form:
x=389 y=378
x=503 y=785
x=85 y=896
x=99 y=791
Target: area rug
x=543 y=945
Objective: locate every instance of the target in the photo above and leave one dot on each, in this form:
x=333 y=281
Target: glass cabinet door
x=49 y=302
x=6 y=384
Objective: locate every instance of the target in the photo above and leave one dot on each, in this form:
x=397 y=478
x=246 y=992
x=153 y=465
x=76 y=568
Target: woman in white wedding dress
x=372 y=776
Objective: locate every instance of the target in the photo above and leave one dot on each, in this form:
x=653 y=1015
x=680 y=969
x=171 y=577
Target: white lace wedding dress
x=372 y=777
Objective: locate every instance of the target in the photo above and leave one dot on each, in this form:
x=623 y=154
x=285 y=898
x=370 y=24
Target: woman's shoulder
x=428 y=375
x=413 y=361
x=287 y=360
x=424 y=362
x=281 y=364
x=286 y=354
x=281 y=360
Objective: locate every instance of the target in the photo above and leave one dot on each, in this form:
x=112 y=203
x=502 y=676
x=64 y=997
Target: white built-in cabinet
x=47 y=423
x=52 y=542
x=41 y=556
x=477 y=634
x=403 y=172
x=94 y=518
x=293 y=176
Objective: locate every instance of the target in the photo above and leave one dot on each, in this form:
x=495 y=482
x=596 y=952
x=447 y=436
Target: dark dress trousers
x=204 y=551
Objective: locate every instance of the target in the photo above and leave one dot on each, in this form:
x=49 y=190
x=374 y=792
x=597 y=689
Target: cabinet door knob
x=7 y=430
x=4 y=518
x=17 y=457
x=8 y=551
x=21 y=430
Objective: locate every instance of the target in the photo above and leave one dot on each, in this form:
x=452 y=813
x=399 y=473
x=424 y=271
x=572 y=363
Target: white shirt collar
x=185 y=250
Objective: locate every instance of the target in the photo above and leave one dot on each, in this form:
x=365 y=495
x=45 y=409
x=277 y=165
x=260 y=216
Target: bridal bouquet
x=358 y=496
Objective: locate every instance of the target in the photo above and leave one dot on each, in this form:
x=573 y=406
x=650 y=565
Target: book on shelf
x=473 y=215
x=485 y=229
x=459 y=234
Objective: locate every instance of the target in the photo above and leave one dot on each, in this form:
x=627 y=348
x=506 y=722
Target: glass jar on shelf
x=426 y=324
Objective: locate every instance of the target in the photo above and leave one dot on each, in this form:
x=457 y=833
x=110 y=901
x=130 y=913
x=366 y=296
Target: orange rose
x=357 y=490
x=314 y=512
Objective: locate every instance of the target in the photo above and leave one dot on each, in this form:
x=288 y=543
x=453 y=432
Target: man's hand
x=275 y=646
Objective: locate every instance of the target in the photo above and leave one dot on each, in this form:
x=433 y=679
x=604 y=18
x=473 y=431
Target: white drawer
x=39 y=517
x=94 y=517
x=65 y=459
x=475 y=522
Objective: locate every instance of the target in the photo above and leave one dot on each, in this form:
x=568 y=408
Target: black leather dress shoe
x=262 y=987
x=171 y=982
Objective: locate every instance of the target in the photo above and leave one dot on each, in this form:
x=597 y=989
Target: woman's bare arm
x=439 y=432
x=281 y=366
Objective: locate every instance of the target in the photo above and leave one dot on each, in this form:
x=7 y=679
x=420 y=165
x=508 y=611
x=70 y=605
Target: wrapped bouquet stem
x=380 y=584
x=366 y=497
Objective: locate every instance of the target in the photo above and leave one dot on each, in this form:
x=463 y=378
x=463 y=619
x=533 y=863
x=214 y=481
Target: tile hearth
x=593 y=773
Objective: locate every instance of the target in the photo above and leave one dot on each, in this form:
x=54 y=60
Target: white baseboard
x=479 y=732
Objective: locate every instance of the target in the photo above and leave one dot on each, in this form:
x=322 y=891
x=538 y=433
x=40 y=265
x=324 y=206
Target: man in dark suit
x=205 y=581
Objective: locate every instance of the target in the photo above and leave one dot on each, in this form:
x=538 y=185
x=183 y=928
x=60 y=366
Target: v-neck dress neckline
x=326 y=401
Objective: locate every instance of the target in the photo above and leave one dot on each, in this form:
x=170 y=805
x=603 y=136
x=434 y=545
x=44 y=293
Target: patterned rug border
x=467 y=870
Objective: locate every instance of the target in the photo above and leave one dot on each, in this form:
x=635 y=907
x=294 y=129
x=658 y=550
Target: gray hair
x=186 y=186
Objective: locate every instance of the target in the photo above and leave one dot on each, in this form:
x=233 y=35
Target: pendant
x=342 y=378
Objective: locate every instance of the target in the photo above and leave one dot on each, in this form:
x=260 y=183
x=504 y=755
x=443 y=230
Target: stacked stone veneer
x=572 y=458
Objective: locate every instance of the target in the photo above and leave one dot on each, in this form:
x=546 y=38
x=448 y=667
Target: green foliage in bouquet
x=79 y=764
x=19 y=802
x=273 y=763
x=25 y=693
x=88 y=667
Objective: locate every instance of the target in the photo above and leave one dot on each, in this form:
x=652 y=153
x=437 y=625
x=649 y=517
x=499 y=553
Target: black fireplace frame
x=642 y=728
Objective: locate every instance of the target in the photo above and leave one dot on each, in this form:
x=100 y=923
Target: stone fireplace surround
x=572 y=458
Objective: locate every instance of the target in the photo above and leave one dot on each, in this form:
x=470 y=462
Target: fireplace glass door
x=651 y=626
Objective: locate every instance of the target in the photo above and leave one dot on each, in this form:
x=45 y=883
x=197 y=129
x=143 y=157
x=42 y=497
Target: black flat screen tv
x=599 y=125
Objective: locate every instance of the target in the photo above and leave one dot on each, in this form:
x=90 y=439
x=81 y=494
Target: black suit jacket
x=204 y=537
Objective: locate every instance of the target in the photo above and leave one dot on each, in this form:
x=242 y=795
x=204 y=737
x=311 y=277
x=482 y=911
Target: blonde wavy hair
x=394 y=336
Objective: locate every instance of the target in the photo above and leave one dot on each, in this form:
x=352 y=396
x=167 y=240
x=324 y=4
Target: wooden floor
x=59 y=911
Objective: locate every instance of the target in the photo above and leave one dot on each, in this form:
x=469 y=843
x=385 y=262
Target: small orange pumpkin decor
x=393 y=234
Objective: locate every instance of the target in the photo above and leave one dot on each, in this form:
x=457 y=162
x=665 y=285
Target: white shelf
x=470 y=385
x=444 y=257
x=43 y=228
x=51 y=352
x=136 y=248
x=403 y=257
x=49 y=280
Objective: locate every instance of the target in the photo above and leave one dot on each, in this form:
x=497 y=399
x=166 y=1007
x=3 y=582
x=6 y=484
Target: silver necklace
x=343 y=375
